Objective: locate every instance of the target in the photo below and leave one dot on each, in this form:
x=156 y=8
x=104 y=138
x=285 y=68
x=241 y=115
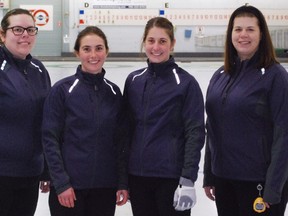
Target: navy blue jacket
x=81 y=120
x=167 y=109
x=24 y=84
x=247 y=126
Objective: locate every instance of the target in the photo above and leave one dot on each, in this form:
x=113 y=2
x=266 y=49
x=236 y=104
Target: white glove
x=185 y=195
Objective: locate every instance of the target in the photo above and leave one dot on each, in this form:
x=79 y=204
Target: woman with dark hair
x=83 y=135
x=167 y=117
x=24 y=85
x=246 y=158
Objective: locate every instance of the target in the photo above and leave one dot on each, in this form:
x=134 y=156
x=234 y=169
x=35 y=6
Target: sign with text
x=186 y=17
x=115 y=4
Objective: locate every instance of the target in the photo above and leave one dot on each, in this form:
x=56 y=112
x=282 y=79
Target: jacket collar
x=21 y=64
x=91 y=79
x=247 y=62
x=161 y=69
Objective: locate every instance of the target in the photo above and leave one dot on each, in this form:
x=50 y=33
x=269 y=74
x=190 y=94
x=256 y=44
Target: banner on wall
x=43 y=15
x=114 y=4
x=197 y=17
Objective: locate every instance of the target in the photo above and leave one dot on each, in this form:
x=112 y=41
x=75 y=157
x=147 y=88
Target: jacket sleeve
x=193 y=117
x=45 y=176
x=277 y=173
x=209 y=178
x=122 y=139
x=52 y=130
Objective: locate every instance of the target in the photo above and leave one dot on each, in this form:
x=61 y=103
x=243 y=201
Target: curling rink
x=117 y=73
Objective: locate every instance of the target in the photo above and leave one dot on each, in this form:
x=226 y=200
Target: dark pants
x=18 y=196
x=151 y=196
x=90 y=202
x=236 y=198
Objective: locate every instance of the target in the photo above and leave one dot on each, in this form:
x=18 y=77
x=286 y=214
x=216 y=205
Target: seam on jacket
x=3 y=64
x=110 y=87
x=139 y=74
x=176 y=76
x=36 y=66
x=74 y=84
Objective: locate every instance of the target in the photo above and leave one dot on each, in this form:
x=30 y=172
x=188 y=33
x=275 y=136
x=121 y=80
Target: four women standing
x=84 y=127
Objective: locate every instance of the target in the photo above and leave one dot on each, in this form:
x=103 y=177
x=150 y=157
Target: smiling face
x=246 y=36
x=92 y=53
x=20 y=46
x=158 y=45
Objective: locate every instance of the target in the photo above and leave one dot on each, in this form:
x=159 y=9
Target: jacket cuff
x=186 y=182
x=209 y=179
x=62 y=188
x=271 y=196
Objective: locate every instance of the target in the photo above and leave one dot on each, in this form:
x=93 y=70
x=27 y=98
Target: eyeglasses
x=19 y=30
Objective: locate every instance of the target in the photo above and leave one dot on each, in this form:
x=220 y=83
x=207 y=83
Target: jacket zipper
x=147 y=89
